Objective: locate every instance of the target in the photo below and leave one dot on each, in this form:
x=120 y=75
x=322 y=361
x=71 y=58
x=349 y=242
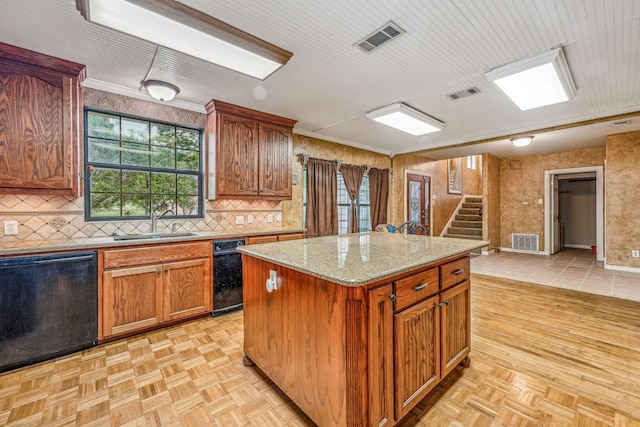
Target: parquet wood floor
x=540 y=357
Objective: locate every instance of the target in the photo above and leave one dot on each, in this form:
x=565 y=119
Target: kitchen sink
x=152 y=236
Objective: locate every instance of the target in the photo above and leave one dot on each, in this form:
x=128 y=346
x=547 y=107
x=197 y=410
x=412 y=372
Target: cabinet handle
x=439 y=305
x=166 y=270
x=447 y=302
x=421 y=287
x=159 y=271
x=457 y=272
x=392 y=297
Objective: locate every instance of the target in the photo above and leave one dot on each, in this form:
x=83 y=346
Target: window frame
x=199 y=174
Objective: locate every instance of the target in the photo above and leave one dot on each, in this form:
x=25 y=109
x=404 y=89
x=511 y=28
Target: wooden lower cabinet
x=455 y=304
x=136 y=298
x=380 y=356
x=417 y=353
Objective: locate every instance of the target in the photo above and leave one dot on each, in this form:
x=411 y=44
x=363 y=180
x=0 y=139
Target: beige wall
x=491 y=201
x=444 y=204
x=522 y=180
x=321 y=149
x=622 y=199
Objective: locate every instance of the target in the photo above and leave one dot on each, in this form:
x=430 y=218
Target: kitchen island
x=357 y=329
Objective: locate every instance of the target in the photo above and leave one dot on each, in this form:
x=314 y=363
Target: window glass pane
x=343 y=219
x=135 y=182
x=163 y=183
x=188 y=139
x=187 y=205
x=102 y=125
x=135 y=204
x=162 y=202
x=105 y=180
x=163 y=135
x=135 y=130
x=187 y=160
x=363 y=195
x=187 y=184
x=105 y=204
x=162 y=157
x=343 y=196
x=135 y=154
x=104 y=151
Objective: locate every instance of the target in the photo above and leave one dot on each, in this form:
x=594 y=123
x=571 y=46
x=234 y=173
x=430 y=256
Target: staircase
x=467 y=223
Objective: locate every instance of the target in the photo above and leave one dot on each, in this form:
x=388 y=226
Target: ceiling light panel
x=191 y=32
x=536 y=81
x=406 y=119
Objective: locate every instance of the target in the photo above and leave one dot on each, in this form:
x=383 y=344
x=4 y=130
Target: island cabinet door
x=456 y=326
x=381 y=356
x=187 y=288
x=132 y=299
x=417 y=353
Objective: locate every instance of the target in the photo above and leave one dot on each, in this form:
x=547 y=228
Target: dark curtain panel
x=322 y=198
x=352 y=176
x=379 y=195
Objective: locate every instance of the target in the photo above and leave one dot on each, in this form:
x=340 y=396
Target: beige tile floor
x=575 y=269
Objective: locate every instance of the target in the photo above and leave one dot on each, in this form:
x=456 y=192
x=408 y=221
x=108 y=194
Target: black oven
x=227 y=276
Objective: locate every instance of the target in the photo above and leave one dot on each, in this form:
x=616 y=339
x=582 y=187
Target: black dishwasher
x=227 y=276
x=48 y=307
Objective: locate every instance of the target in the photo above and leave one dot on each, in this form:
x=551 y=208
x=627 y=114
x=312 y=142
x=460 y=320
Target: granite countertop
x=56 y=245
x=361 y=258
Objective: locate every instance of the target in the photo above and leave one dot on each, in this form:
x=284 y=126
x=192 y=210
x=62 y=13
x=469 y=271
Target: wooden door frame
x=548 y=208
x=405 y=214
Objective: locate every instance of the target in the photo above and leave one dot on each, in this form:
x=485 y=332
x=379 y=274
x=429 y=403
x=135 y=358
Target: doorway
x=574 y=221
x=418 y=207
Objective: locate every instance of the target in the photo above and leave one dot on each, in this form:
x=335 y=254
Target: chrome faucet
x=155 y=217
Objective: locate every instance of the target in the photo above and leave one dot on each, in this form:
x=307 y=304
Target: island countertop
x=361 y=258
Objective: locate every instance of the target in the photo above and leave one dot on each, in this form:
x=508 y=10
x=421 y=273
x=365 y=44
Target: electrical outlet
x=270 y=218
x=239 y=219
x=279 y=217
x=540 y=201
x=10 y=228
x=249 y=219
x=635 y=253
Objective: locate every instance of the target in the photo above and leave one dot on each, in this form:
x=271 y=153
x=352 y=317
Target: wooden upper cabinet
x=249 y=153
x=40 y=123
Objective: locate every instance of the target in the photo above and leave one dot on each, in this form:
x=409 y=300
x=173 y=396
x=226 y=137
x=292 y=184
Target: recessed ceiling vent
x=464 y=93
x=387 y=32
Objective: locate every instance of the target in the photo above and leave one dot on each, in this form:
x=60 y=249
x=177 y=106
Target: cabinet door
x=237 y=157
x=456 y=326
x=381 y=356
x=39 y=134
x=187 y=288
x=417 y=353
x=132 y=299
x=275 y=161
x=254 y=240
x=291 y=236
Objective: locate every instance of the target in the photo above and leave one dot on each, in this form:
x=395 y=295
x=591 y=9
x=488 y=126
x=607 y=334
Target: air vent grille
x=464 y=93
x=382 y=35
x=524 y=242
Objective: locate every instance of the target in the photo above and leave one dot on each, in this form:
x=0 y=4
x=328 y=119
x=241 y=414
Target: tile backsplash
x=57 y=217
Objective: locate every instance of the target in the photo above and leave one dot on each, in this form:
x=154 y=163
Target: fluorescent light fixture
x=183 y=29
x=162 y=91
x=522 y=141
x=406 y=119
x=537 y=81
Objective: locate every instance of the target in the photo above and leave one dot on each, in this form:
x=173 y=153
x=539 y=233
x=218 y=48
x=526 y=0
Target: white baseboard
x=621 y=268
x=521 y=252
x=492 y=251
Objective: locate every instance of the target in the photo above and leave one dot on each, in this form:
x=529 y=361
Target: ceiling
x=329 y=84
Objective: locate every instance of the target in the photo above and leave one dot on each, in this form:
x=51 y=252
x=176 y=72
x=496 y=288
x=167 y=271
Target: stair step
x=471 y=205
x=474 y=217
x=467 y=224
x=465 y=231
x=473 y=200
x=463 y=236
x=474 y=211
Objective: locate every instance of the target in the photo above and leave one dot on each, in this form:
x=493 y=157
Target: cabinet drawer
x=454 y=272
x=416 y=288
x=292 y=236
x=255 y=240
x=155 y=254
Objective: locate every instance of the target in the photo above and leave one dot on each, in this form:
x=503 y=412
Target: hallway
x=575 y=269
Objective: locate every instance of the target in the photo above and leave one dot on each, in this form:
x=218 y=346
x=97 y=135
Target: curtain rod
x=304 y=158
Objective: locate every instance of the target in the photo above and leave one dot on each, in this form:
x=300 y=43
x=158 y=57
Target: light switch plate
x=279 y=217
x=249 y=219
x=10 y=228
x=270 y=218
